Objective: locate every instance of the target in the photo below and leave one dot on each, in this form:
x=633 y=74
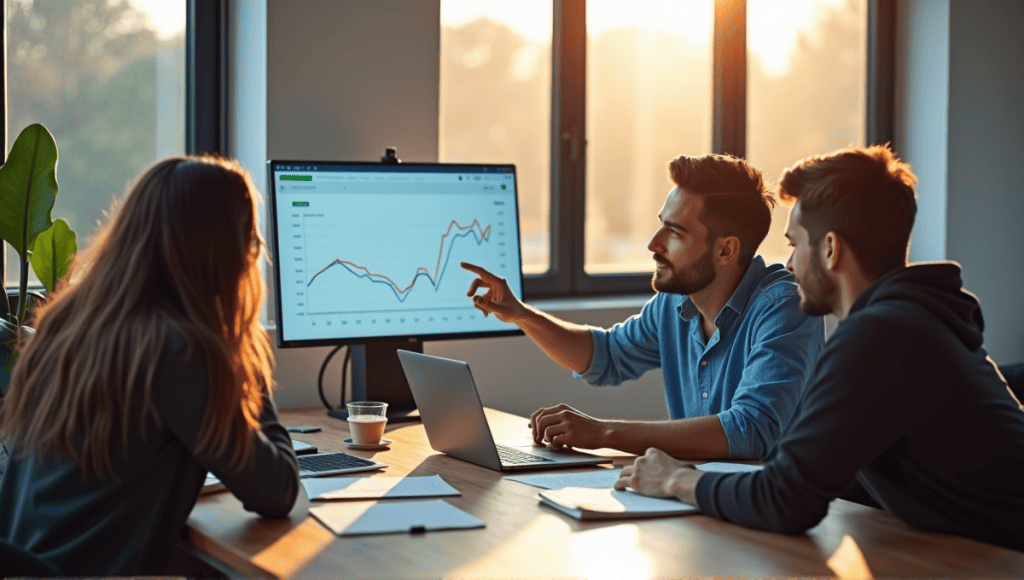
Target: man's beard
x=817 y=290
x=692 y=278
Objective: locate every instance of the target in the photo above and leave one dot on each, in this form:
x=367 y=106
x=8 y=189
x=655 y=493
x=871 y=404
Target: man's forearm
x=691 y=438
x=569 y=344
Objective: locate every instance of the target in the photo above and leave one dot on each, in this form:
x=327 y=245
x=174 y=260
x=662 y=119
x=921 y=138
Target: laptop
x=454 y=419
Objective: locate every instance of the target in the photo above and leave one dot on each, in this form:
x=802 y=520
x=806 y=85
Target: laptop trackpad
x=528 y=446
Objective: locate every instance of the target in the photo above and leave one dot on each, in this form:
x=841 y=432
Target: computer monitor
x=367 y=255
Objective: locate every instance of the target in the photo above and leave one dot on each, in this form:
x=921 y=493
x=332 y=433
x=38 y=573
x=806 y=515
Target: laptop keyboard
x=331 y=462
x=512 y=456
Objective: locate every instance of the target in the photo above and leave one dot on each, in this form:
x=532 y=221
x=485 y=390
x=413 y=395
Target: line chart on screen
x=432 y=274
x=377 y=263
x=371 y=251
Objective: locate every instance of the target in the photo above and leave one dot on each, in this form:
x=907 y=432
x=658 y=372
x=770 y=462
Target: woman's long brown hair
x=181 y=253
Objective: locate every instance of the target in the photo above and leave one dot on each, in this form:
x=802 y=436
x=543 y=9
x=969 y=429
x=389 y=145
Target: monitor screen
x=367 y=252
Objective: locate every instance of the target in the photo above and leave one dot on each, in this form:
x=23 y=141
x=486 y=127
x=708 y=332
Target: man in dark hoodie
x=905 y=409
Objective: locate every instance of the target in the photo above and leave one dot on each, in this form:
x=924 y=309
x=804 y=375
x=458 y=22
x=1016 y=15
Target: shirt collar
x=740 y=296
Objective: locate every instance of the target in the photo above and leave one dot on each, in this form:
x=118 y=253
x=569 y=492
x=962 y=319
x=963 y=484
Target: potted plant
x=28 y=188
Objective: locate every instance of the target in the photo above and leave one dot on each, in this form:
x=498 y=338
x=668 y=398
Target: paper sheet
x=600 y=478
x=376 y=487
x=368 y=517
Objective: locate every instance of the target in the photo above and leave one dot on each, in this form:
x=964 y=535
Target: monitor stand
x=377 y=375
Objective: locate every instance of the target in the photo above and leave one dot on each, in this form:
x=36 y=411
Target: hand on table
x=657 y=474
x=562 y=426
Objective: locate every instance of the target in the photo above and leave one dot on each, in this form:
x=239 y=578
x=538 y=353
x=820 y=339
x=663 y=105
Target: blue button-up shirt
x=751 y=373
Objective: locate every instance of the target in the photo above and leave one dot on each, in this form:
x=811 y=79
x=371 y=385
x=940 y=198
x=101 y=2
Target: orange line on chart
x=484 y=233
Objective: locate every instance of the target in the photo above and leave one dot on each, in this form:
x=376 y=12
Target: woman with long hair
x=147 y=369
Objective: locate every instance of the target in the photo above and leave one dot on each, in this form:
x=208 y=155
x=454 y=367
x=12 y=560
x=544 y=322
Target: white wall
x=960 y=124
x=922 y=104
x=986 y=171
x=322 y=79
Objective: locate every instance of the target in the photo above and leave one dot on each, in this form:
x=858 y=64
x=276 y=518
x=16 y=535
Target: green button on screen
x=296 y=178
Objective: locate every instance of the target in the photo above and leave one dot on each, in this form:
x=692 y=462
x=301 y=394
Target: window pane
x=107 y=79
x=807 y=63
x=496 y=101
x=648 y=101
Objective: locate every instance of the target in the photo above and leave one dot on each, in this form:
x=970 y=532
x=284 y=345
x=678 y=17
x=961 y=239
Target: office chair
x=17 y=561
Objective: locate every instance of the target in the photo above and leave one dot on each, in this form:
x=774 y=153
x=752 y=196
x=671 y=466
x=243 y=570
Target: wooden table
x=523 y=539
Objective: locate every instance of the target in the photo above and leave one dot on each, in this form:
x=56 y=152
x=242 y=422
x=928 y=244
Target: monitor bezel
x=410 y=338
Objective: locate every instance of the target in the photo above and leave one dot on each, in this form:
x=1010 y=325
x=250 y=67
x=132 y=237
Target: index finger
x=536 y=415
x=478 y=271
x=542 y=419
x=533 y=425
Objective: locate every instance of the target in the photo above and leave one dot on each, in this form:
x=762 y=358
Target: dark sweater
x=88 y=527
x=904 y=405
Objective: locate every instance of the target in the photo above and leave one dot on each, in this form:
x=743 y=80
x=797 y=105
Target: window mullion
x=3 y=120
x=729 y=85
x=205 y=70
x=881 y=62
x=568 y=142
x=572 y=139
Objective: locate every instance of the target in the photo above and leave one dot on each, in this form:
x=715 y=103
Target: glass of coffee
x=366 y=421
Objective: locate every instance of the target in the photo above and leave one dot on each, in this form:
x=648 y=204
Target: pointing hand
x=498 y=299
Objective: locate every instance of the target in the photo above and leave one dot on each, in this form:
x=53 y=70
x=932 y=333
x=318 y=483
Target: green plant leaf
x=52 y=252
x=28 y=187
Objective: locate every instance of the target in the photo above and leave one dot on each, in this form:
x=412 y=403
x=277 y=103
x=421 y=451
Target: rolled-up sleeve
x=625 y=351
x=783 y=347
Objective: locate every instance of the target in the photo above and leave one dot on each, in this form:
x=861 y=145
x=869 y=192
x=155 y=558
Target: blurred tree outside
x=648 y=101
x=495 y=108
x=818 y=106
x=110 y=92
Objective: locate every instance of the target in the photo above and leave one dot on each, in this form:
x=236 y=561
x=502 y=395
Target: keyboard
x=512 y=456
x=334 y=463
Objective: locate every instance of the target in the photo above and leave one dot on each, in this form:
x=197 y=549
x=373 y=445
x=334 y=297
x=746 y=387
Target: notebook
x=603 y=504
x=454 y=419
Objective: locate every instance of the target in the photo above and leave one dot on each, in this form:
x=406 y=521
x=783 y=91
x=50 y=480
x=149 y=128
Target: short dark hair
x=736 y=200
x=864 y=194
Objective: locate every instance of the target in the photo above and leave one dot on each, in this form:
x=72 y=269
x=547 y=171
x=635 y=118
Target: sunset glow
x=772 y=31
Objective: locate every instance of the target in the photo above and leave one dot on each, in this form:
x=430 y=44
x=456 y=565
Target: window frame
x=205 y=102
x=566 y=276
x=3 y=121
x=205 y=74
x=206 y=118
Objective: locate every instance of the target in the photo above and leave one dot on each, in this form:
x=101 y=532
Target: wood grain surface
x=524 y=539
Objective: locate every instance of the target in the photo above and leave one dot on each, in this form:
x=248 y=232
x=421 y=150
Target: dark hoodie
x=904 y=405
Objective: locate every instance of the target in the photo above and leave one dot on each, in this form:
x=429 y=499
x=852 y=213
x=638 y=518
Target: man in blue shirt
x=726 y=329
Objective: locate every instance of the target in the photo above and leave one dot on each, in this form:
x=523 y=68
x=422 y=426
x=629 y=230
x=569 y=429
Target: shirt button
x=703 y=363
x=705 y=395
